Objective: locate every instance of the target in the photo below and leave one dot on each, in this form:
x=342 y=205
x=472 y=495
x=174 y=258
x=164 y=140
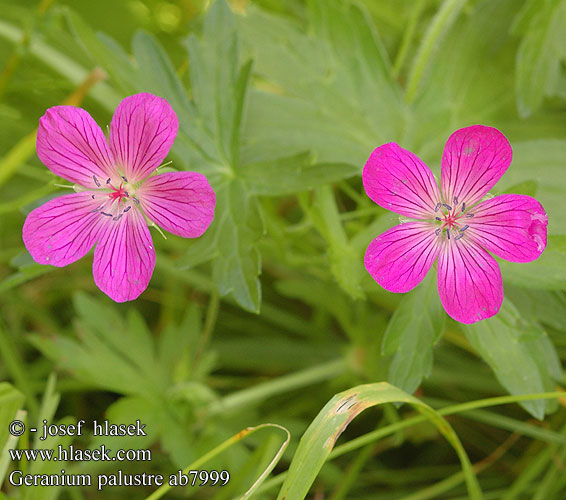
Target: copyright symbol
x=16 y=428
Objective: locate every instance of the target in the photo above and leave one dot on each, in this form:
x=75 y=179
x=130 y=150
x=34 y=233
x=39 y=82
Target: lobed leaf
x=520 y=354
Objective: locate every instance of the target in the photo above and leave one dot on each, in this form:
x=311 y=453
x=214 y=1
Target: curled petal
x=124 y=257
x=474 y=159
x=400 y=258
x=399 y=181
x=142 y=131
x=62 y=230
x=469 y=281
x=512 y=226
x=180 y=202
x=72 y=146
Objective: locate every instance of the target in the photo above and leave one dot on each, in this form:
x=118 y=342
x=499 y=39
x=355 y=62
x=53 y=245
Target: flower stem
x=439 y=25
x=280 y=385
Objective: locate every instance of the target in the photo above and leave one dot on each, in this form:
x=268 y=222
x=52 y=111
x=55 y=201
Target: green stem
x=439 y=25
x=408 y=37
x=280 y=385
x=210 y=321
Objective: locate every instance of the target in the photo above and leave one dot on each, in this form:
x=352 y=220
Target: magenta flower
x=117 y=195
x=452 y=224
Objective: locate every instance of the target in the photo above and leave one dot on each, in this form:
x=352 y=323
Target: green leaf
x=539 y=306
x=412 y=332
x=238 y=226
x=24 y=274
x=104 y=52
x=195 y=147
x=344 y=258
x=548 y=272
x=542 y=162
x=217 y=82
x=332 y=93
x=442 y=21
x=540 y=54
x=519 y=353
x=322 y=434
x=11 y=400
x=470 y=79
x=293 y=174
x=114 y=353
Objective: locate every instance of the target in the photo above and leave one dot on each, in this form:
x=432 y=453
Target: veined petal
x=399 y=258
x=512 y=226
x=142 y=131
x=62 y=230
x=473 y=161
x=72 y=146
x=124 y=257
x=399 y=181
x=179 y=202
x=469 y=281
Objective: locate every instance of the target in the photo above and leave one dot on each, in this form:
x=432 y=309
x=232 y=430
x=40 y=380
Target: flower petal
x=62 y=230
x=399 y=181
x=469 y=281
x=142 y=131
x=400 y=258
x=72 y=146
x=474 y=159
x=180 y=202
x=124 y=258
x=512 y=226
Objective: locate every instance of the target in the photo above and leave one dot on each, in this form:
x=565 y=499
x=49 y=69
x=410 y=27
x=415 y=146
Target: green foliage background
x=271 y=313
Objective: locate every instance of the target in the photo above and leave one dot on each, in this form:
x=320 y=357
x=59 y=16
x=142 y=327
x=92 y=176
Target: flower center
x=116 y=201
x=450 y=219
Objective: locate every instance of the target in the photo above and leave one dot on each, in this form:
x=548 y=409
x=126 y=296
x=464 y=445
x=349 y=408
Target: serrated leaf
x=194 y=147
x=518 y=352
x=238 y=226
x=217 y=82
x=113 y=354
x=339 y=98
x=412 y=332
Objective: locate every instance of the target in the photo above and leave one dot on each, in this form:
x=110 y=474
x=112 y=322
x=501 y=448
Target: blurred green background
x=271 y=313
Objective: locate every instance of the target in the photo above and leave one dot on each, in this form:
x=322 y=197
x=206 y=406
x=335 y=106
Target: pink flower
x=117 y=193
x=453 y=224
